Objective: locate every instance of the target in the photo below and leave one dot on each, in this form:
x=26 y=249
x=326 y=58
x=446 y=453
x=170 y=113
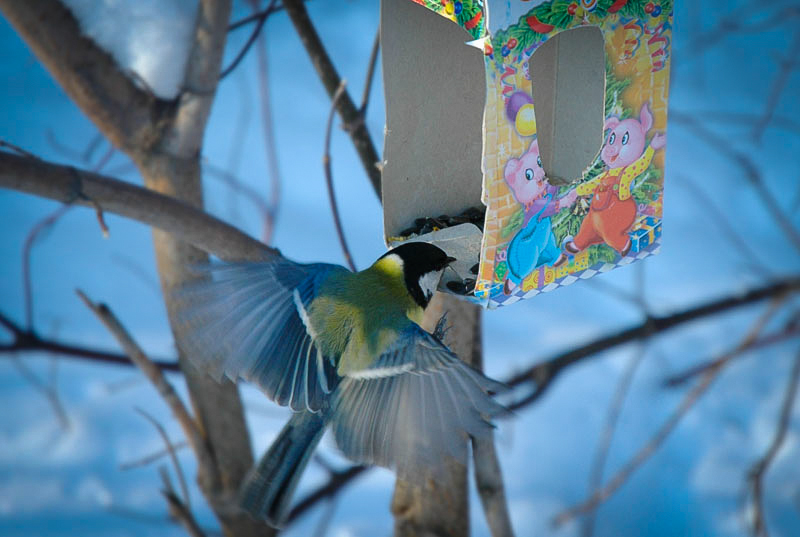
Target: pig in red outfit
x=613 y=210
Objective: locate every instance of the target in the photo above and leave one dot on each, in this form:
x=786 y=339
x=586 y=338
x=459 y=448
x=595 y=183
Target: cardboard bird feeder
x=525 y=138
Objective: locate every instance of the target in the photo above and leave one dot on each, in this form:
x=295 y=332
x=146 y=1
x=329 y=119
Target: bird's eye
x=529 y=174
x=612 y=138
x=539 y=161
x=625 y=138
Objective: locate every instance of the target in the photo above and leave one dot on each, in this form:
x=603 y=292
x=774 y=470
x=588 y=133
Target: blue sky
x=52 y=479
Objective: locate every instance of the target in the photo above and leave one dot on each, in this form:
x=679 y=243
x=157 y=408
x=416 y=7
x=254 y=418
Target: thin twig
x=600 y=495
x=27 y=341
x=50 y=392
x=351 y=118
x=760 y=468
x=735 y=23
x=786 y=65
x=177 y=509
x=132 y=266
x=16 y=149
x=43 y=224
x=746 y=119
x=152 y=457
x=768 y=340
x=268 y=130
x=257 y=16
x=336 y=482
x=250 y=40
x=207 y=468
x=373 y=61
x=720 y=218
x=326 y=164
x=170 y=450
x=610 y=426
x=250 y=193
x=545 y=372
x=751 y=171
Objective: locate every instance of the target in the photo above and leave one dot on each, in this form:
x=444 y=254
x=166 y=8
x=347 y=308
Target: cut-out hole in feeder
x=569 y=93
x=471 y=127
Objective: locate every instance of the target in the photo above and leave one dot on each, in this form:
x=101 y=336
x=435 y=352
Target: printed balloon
x=526 y=121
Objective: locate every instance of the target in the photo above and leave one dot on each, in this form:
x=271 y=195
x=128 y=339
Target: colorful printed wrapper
x=537 y=241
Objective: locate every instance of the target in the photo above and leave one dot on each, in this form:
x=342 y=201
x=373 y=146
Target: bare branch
x=612 y=417
x=171 y=450
x=600 y=495
x=786 y=65
x=720 y=218
x=88 y=74
x=373 y=62
x=26 y=341
x=50 y=392
x=257 y=16
x=207 y=469
x=192 y=225
x=751 y=171
x=326 y=164
x=16 y=149
x=268 y=131
x=183 y=136
x=42 y=225
x=489 y=480
x=735 y=23
x=337 y=481
x=350 y=115
x=242 y=188
x=545 y=372
x=260 y=20
x=153 y=457
x=764 y=341
x=759 y=469
x=178 y=510
x=788 y=124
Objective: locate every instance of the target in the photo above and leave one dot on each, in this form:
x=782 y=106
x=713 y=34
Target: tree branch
x=207 y=468
x=88 y=74
x=28 y=341
x=489 y=481
x=545 y=372
x=601 y=494
x=759 y=469
x=67 y=184
x=326 y=165
x=751 y=171
x=351 y=117
x=337 y=481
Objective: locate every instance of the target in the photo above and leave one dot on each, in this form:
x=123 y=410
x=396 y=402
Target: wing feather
x=248 y=321
x=414 y=405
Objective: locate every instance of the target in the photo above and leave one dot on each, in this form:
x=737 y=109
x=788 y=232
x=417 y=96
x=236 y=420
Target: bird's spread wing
x=248 y=320
x=417 y=403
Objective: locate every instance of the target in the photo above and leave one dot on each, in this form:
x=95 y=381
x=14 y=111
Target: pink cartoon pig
x=534 y=245
x=613 y=210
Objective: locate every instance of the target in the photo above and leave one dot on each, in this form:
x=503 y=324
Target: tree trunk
x=441 y=507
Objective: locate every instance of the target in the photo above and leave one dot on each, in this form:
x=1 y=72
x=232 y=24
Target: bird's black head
x=423 y=264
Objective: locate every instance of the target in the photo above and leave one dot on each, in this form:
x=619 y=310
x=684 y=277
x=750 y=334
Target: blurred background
x=74 y=451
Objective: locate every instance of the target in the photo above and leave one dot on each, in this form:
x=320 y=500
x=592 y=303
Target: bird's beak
x=450 y=260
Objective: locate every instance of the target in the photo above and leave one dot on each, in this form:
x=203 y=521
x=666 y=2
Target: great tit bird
x=342 y=349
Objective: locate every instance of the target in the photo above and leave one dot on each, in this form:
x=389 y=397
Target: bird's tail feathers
x=268 y=489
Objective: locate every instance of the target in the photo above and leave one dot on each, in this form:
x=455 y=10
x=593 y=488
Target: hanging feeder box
x=525 y=138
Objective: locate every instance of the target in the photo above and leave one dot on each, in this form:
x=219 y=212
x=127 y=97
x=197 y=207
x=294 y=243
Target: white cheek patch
x=429 y=281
